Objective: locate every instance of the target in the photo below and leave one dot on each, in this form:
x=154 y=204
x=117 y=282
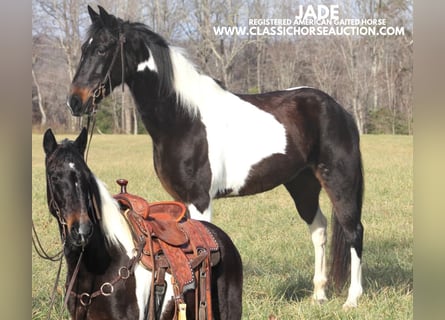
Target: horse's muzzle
x=77 y=107
x=81 y=233
x=80 y=101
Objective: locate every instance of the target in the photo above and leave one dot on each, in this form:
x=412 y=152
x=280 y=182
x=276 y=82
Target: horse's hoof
x=348 y=305
x=319 y=301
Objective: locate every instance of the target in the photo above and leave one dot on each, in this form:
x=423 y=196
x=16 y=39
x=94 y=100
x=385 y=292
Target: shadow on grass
x=286 y=281
x=387 y=263
x=294 y=289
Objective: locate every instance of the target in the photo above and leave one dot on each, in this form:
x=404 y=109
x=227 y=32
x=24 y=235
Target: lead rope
x=91 y=132
x=41 y=251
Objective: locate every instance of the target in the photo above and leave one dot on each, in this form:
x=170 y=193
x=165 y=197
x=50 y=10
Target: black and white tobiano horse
x=209 y=142
x=104 y=277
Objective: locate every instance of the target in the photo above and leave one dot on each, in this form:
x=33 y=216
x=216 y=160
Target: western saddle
x=175 y=244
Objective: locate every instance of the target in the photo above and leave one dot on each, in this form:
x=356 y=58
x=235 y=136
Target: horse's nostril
x=86 y=229
x=81 y=233
x=75 y=105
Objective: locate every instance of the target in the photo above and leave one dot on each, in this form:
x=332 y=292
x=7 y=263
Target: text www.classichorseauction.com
x=320 y=20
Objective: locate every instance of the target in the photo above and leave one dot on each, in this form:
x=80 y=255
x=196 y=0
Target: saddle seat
x=174 y=243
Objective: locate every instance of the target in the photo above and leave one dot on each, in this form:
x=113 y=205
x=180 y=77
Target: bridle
x=58 y=257
x=99 y=92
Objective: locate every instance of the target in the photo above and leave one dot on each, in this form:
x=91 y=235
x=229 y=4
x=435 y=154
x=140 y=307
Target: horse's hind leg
x=343 y=182
x=305 y=190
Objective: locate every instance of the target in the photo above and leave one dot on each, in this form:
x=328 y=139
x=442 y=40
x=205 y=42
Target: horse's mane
x=115 y=227
x=176 y=73
x=160 y=50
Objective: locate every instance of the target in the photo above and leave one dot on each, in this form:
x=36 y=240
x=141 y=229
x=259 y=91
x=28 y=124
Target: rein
x=53 y=258
x=57 y=257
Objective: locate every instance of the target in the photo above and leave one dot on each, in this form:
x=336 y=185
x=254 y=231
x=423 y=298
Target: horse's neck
x=96 y=257
x=160 y=115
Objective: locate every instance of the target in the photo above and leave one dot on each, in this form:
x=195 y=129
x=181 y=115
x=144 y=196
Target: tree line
x=371 y=76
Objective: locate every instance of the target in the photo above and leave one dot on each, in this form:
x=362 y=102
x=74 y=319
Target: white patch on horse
x=318 y=234
x=297 y=88
x=204 y=216
x=71 y=165
x=355 y=288
x=239 y=134
x=115 y=227
x=143 y=280
x=150 y=63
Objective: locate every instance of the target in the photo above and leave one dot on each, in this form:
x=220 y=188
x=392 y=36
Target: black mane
x=160 y=50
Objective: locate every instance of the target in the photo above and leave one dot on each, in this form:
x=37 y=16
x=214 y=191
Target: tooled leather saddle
x=175 y=244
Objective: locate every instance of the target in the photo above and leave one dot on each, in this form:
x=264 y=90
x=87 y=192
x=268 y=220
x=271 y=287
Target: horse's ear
x=107 y=19
x=93 y=14
x=81 y=140
x=49 y=142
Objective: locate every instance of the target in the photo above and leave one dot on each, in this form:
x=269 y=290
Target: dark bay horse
x=210 y=143
x=109 y=282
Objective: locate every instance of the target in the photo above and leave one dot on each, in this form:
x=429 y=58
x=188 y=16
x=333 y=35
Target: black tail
x=340 y=255
x=340 y=245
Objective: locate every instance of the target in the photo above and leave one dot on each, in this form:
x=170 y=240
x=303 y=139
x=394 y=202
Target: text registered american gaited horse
x=210 y=143
x=127 y=264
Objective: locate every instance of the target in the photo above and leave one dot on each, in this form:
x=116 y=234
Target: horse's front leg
x=318 y=235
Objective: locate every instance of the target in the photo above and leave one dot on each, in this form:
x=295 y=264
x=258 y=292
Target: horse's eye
x=101 y=52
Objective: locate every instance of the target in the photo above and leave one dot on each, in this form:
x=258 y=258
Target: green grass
x=273 y=241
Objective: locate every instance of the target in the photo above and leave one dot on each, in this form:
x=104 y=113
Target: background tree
x=371 y=76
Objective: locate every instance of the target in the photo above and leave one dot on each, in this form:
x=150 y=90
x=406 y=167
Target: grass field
x=273 y=241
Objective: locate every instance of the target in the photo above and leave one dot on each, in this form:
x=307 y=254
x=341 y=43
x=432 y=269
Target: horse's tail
x=340 y=254
x=340 y=247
